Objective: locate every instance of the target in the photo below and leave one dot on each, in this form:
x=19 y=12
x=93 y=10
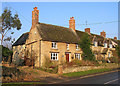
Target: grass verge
x=82 y=73
x=22 y=83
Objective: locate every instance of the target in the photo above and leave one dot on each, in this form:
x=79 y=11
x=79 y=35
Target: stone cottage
x=59 y=44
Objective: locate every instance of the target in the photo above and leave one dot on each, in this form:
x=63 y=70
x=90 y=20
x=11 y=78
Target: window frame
x=67 y=46
x=110 y=46
x=78 y=56
x=54 y=55
x=105 y=45
x=95 y=43
x=77 y=47
x=54 y=45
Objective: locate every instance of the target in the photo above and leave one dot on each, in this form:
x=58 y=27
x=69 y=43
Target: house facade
x=58 y=44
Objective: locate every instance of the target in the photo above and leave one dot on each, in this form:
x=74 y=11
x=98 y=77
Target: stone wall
x=85 y=68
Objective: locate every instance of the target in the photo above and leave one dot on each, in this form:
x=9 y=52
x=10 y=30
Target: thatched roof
x=22 y=39
x=55 y=33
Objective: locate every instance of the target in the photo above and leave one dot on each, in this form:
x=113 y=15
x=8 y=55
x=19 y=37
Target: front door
x=67 y=57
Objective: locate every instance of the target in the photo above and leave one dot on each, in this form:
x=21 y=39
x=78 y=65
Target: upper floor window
x=105 y=45
x=95 y=43
x=77 y=56
x=77 y=47
x=54 y=56
x=110 y=45
x=54 y=45
x=67 y=46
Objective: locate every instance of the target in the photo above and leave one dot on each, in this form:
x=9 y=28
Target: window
x=77 y=47
x=105 y=45
x=54 y=45
x=54 y=56
x=95 y=43
x=77 y=56
x=67 y=46
x=110 y=45
x=108 y=54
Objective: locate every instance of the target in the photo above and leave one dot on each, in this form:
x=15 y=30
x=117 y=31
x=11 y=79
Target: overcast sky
x=99 y=15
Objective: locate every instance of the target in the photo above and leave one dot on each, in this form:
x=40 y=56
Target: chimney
x=115 y=38
x=72 y=23
x=103 y=34
x=35 y=16
x=87 y=30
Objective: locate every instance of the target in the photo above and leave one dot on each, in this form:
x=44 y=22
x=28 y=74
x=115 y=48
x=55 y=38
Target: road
x=108 y=78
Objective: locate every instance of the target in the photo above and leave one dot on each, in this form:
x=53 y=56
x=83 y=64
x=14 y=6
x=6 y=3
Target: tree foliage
x=7 y=23
x=118 y=49
x=6 y=53
x=85 y=44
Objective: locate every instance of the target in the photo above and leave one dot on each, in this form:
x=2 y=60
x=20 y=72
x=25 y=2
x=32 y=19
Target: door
x=67 y=57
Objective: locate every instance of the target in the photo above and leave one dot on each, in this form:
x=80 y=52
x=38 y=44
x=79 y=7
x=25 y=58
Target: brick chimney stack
x=103 y=34
x=35 y=16
x=72 y=23
x=87 y=30
x=115 y=38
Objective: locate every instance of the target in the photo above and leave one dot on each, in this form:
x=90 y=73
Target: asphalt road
x=109 y=78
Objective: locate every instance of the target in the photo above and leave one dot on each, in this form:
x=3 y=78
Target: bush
x=85 y=44
x=82 y=63
x=113 y=60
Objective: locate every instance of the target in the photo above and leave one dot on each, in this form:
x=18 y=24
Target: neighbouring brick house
x=58 y=44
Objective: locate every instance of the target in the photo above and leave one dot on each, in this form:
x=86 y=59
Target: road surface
x=107 y=78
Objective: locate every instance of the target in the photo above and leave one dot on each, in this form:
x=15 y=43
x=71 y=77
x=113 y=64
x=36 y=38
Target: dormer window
x=110 y=45
x=95 y=43
x=67 y=46
x=77 y=48
x=54 y=45
x=105 y=45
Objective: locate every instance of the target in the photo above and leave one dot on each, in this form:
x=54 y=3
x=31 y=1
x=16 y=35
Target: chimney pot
x=87 y=30
x=115 y=38
x=103 y=33
x=35 y=8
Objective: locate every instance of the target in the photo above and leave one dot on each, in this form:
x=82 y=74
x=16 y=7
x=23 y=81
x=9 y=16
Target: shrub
x=113 y=59
x=82 y=63
x=85 y=44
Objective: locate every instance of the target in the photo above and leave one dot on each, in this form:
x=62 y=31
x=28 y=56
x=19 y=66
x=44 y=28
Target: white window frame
x=78 y=56
x=110 y=45
x=77 y=47
x=67 y=46
x=95 y=43
x=54 y=45
x=54 y=56
x=105 y=45
x=109 y=54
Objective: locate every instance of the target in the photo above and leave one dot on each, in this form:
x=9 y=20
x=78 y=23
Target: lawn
x=21 y=83
x=81 y=73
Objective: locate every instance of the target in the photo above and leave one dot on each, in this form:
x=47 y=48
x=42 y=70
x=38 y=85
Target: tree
x=7 y=23
x=85 y=44
x=6 y=54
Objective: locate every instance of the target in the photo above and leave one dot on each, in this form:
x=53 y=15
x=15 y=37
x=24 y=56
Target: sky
x=99 y=15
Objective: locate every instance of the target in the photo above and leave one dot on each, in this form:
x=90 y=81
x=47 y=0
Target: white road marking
x=111 y=81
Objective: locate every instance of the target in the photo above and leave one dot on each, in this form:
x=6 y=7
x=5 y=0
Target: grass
x=81 y=73
x=22 y=83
